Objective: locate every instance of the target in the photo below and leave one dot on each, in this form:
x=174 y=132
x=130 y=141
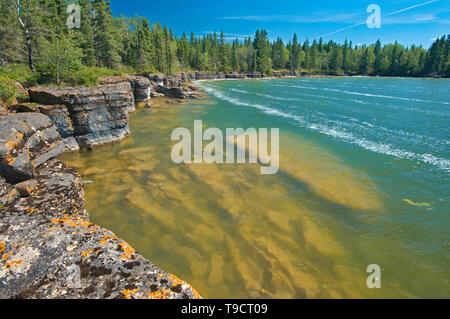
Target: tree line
x=35 y=33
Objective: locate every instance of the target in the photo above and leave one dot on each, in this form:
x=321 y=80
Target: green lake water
x=364 y=179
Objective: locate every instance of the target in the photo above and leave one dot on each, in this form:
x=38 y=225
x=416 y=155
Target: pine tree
x=106 y=45
x=378 y=51
x=29 y=27
x=294 y=56
x=86 y=33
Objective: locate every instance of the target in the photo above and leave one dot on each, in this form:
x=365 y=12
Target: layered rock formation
x=93 y=116
x=141 y=87
x=48 y=247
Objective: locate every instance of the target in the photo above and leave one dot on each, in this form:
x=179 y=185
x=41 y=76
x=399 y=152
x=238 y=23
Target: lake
x=363 y=179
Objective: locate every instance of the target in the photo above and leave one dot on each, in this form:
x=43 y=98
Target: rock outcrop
x=280 y=74
x=48 y=247
x=141 y=87
x=27 y=140
x=60 y=117
x=98 y=115
x=8 y=193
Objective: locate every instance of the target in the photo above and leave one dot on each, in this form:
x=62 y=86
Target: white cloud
x=421 y=18
x=426 y=17
x=315 y=17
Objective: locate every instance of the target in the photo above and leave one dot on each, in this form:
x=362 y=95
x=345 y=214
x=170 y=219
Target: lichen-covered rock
x=49 y=249
x=27 y=140
x=60 y=117
x=26 y=188
x=8 y=194
x=70 y=144
x=99 y=115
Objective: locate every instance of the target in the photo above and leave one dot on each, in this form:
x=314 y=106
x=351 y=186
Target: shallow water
x=364 y=171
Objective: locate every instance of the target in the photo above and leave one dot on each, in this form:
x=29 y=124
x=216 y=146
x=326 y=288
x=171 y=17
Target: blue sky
x=408 y=21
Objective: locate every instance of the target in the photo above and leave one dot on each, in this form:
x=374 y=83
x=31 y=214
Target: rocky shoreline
x=48 y=247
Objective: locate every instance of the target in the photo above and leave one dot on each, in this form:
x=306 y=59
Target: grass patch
x=89 y=76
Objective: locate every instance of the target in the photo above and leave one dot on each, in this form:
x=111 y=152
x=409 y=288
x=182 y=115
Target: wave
x=384 y=96
x=337 y=132
x=296 y=86
x=270 y=96
x=381 y=148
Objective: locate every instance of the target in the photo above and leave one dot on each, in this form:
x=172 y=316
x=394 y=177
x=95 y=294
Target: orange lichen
x=11 y=145
x=72 y=222
x=161 y=294
x=2 y=246
x=12 y=263
x=6 y=256
x=30 y=210
x=10 y=159
x=19 y=136
x=177 y=281
x=127 y=249
x=87 y=253
x=104 y=240
x=90 y=251
x=129 y=293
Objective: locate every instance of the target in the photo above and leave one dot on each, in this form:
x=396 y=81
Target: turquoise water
x=364 y=179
